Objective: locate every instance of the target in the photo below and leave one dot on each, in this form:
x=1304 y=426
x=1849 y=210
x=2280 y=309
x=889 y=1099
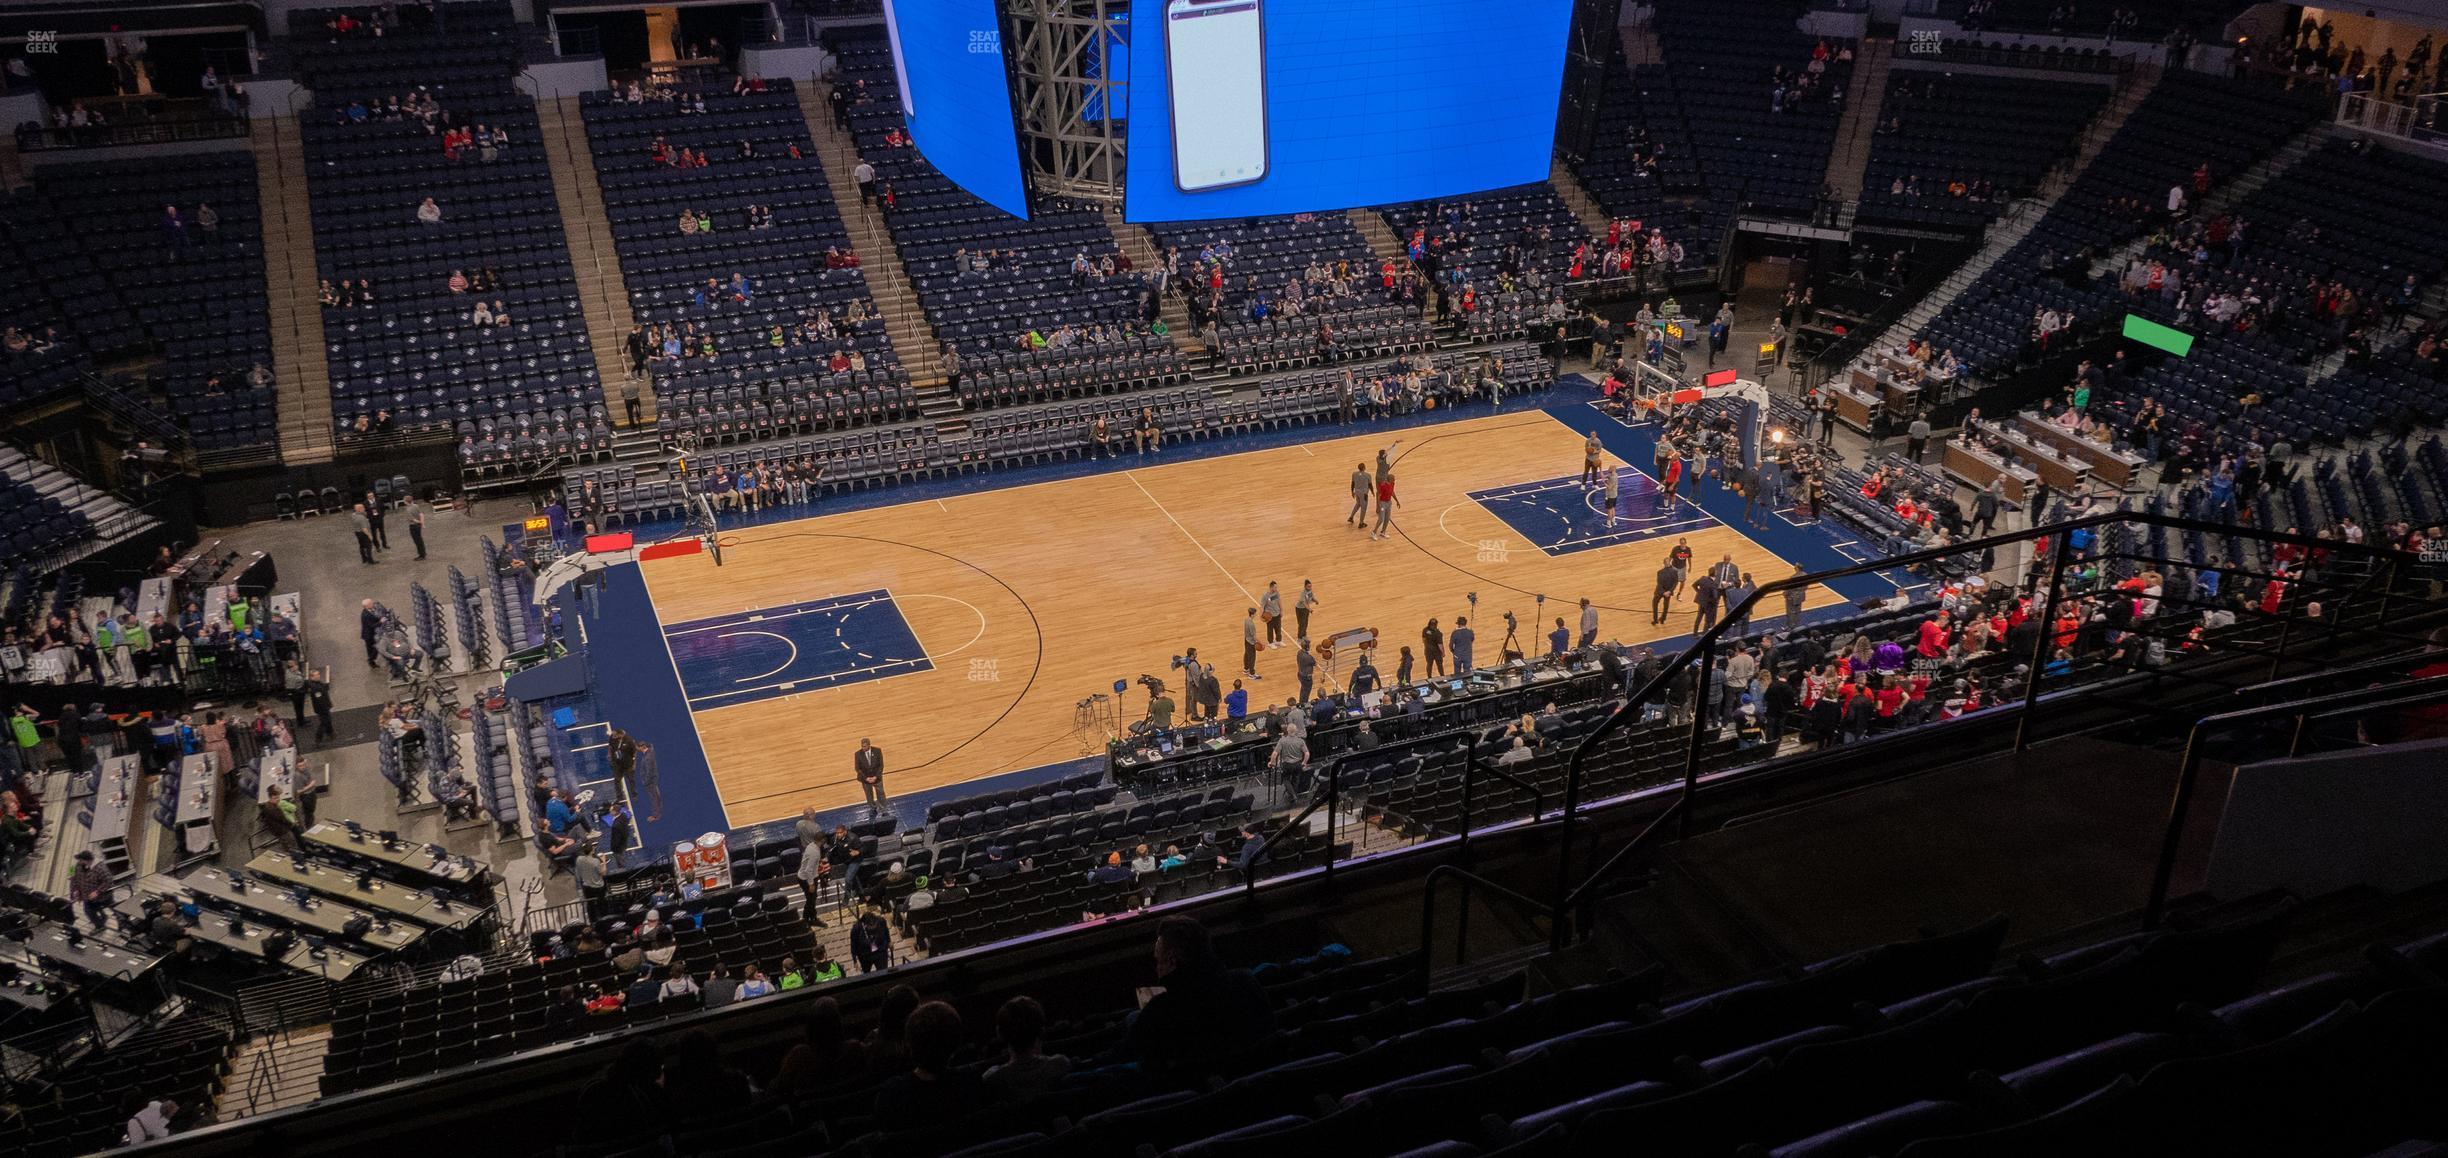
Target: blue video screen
x=948 y=58
x=1248 y=108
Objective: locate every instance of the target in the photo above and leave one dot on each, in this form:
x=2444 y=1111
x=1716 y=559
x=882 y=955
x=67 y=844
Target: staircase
x=1584 y=207
x=1382 y=240
x=587 y=229
x=888 y=281
x=301 y=371
x=2009 y=231
x=1640 y=40
x=273 y=1072
x=1854 y=134
x=1140 y=245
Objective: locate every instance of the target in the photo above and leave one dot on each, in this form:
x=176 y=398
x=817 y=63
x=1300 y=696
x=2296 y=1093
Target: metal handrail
x=2163 y=873
x=1428 y=894
x=1570 y=896
x=1332 y=798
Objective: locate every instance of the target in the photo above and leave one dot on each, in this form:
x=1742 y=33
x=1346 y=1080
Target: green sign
x=2150 y=333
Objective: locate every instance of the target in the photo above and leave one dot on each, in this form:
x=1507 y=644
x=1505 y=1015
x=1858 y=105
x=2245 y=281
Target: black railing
x=149 y=424
x=207 y=124
x=1570 y=896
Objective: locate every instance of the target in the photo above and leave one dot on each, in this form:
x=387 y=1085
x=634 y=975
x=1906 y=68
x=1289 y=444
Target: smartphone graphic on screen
x=1215 y=66
x=892 y=32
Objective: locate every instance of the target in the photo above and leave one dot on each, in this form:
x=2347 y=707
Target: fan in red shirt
x=1933 y=638
x=1890 y=697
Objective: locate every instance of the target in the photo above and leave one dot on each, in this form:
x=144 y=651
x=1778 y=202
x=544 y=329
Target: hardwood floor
x=1030 y=599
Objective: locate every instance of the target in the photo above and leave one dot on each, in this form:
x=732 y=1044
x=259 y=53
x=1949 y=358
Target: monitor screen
x=948 y=59
x=1243 y=108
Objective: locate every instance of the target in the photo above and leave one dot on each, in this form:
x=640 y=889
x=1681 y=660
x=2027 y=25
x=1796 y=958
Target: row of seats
x=414 y=354
x=196 y=295
x=1939 y=129
x=46 y=512
x=79 y=1109
x=783 y=261
x=2157 y=1042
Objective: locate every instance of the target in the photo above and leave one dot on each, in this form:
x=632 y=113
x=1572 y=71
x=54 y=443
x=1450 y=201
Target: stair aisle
x=1141 y=247
x=1851 y=157
x=273 y=1073
x=1382 y=239
x=601 y=291
x=300 y=366
x=1584 y=207
x=913 y=339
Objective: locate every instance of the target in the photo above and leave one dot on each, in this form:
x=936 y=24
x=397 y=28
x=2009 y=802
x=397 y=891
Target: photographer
x=1160 y=706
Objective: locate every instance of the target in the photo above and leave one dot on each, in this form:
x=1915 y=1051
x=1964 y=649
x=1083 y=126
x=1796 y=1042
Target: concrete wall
x=24 y=105
x=563 y=76
x=2370 y=816
x=274 y=97
x=794 y=61
x=1850 y=25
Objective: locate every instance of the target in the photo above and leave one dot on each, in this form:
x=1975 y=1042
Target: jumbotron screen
x=1247 y=108
x=948 y=57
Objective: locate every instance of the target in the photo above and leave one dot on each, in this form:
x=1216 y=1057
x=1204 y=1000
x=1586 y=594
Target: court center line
x=1133 y=476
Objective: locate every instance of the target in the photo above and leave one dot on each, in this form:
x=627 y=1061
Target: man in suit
x=369 y=629
x=621 y=749
x=868 y=764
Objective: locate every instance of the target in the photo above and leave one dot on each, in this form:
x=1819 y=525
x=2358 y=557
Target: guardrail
x=2359 y=591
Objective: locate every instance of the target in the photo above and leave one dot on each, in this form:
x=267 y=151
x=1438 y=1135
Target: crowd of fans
x=2316 y=54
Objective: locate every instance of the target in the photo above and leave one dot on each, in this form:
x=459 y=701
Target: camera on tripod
x=1154 y=686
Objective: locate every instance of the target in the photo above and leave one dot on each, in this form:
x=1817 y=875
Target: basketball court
x=962 y=633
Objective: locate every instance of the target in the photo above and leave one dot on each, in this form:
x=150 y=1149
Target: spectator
x=753 y=984
x=677 y=984
x=90 y=886
x=628 y=1089
x=825 y=1058
x=148 y=1120
x=698 y=1082
x=1200 y=1012
x=871 y=942
x=1026 y=1070
x=887 y=1047
x=721 y=988
x=932 y=1090
x=428 y=213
